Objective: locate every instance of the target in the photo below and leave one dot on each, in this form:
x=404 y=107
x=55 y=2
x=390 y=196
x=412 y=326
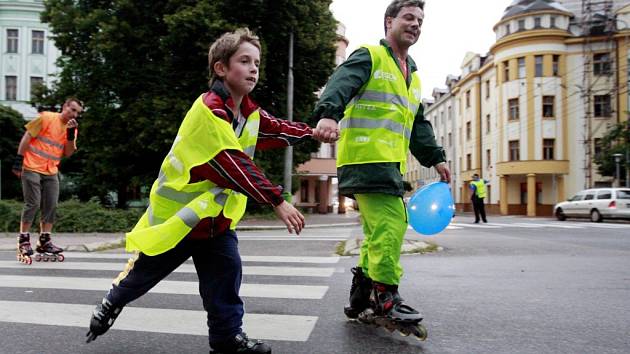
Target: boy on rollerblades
x=201 y=193
x=374 y=100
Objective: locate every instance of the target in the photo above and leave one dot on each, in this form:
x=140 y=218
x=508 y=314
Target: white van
x=596 y=204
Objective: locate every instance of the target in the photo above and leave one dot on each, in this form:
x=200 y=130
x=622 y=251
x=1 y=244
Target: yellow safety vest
x=176 y=206
x=378 y=121
x=480 y=188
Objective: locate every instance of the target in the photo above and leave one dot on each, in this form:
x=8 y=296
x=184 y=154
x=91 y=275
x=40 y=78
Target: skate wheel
x=46 y=259
x=29 y=261
x=420 y=332
x=38 y=258
x=60 y=257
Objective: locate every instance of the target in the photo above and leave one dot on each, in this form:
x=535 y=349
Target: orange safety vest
x=46 y=149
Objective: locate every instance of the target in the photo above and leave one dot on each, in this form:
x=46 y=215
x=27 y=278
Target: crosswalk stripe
x=260 y=259
x=261 y=326
x=293 y=238
x=283 y=291
x=481 y=226
x=561 y=226
x=598 y=225
x=184 y=268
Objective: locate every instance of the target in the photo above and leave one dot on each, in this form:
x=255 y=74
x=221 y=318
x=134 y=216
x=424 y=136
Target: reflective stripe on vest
x=480 y=188
x=176 y=206
x=378 y=121
x=46 y=149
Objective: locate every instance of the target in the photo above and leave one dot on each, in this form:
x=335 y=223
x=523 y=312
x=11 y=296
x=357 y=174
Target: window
x=468 y=99
x=442 y=141
x=605 y=194
x=514 y=150
x=507 y=29
x=601 y=64
x=602 y=106
x=555 y=68
x=597 y=147
x=468 y=161
x=10 y=88
x=488 y=158
x=442 y=117
x=537 y=22
x=513 y=109
x=487 y=124
x=449 y=113
x=539 y=65
x=521 y=25
x=450 y=139
x=487 y=88
x=37 y=46
x=589 y=196
x=547 y=105
x=521 y=68
x=552 y=22
x=468 y=130
x=506 y=71
x=623 y=194
x=548 y=149
x=35 y=83
x=12 y=41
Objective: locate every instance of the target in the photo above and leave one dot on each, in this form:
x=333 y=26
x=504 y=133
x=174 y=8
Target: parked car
x=596 y=204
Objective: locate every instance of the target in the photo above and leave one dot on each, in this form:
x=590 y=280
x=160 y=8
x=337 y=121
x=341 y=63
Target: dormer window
x=507 y=29
x=537 y=22
x=521 y=25
x=553 y=22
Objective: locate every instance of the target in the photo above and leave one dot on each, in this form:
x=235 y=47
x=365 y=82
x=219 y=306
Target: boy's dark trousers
x=479 y=208
x=219 y=268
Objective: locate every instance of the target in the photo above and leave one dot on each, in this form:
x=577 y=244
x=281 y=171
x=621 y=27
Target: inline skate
x=46 y=251
x=388 y=311
x=24 y=250
x=240 y=344
x=102 y=319
x=359 y=293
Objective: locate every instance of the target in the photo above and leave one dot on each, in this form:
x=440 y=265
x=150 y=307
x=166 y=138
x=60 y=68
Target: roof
x=519 y=7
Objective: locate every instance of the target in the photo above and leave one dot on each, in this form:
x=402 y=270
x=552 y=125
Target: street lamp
x=617 y=174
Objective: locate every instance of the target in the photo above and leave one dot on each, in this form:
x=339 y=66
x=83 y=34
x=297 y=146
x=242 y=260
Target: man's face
x=404 y=29
x=71 y=110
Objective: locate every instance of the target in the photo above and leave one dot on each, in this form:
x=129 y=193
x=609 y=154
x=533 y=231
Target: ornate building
x=529 y=114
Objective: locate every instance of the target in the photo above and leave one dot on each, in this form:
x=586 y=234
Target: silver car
x=597 y=204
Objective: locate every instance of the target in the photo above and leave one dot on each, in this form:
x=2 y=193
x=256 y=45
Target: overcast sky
x=451 y=28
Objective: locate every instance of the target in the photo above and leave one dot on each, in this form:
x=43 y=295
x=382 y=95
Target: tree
x=138 y=65
x=11 y=126
x=616 y=141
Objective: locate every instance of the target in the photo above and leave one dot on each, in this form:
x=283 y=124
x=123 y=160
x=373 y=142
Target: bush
x=74 y=216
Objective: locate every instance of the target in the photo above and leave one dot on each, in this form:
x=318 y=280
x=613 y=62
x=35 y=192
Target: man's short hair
x=223 y=48
x=475 y=176
x=75 y=100
x=394 y=8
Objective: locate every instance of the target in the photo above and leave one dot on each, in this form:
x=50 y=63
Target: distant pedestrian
x=47 y=139
x=478 y=189
x=201 y=194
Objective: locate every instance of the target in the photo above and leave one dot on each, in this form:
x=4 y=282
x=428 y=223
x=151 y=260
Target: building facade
x=28 y=56
x=531 y=112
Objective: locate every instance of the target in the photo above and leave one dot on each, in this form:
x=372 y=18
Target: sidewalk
x=89 y=242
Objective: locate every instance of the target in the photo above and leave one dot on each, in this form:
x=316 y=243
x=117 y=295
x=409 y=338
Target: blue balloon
x=431 y=208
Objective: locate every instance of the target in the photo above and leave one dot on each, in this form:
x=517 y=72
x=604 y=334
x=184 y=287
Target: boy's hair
x=223 y=48
x=394 y=8
x=75 y=100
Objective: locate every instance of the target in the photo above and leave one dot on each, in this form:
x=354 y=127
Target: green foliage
x=616 y=141
x=75 y=216
x=11 y=126
x=138 y=66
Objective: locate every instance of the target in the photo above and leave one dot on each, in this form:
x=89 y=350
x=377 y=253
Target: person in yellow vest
x=478 y=191
x=48 y=138
x=201 y=193
x=372 y=104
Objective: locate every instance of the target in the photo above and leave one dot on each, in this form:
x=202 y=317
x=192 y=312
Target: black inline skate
x=240 y=344
x=359 y=293
x=102 y=319
x=24 y=250
x=388 y=311
x=46 y=251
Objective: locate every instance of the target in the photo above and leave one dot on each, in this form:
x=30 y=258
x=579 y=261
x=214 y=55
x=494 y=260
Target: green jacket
x=344 y=84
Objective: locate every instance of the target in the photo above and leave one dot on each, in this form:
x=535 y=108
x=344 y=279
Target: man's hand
x=17 y=165
x=326 y=131
x=445 y=173
x=290 y=217
x=72 y=123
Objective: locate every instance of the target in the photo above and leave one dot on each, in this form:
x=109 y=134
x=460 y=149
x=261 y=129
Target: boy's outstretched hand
x=290 y=217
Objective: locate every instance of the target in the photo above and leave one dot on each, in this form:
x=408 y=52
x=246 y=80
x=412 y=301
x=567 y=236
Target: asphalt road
x=514 y=285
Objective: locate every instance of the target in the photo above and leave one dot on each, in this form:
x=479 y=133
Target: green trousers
x=384 y=226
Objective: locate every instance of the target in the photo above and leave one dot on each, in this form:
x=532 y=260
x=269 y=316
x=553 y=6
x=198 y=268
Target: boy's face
x=242 y=74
